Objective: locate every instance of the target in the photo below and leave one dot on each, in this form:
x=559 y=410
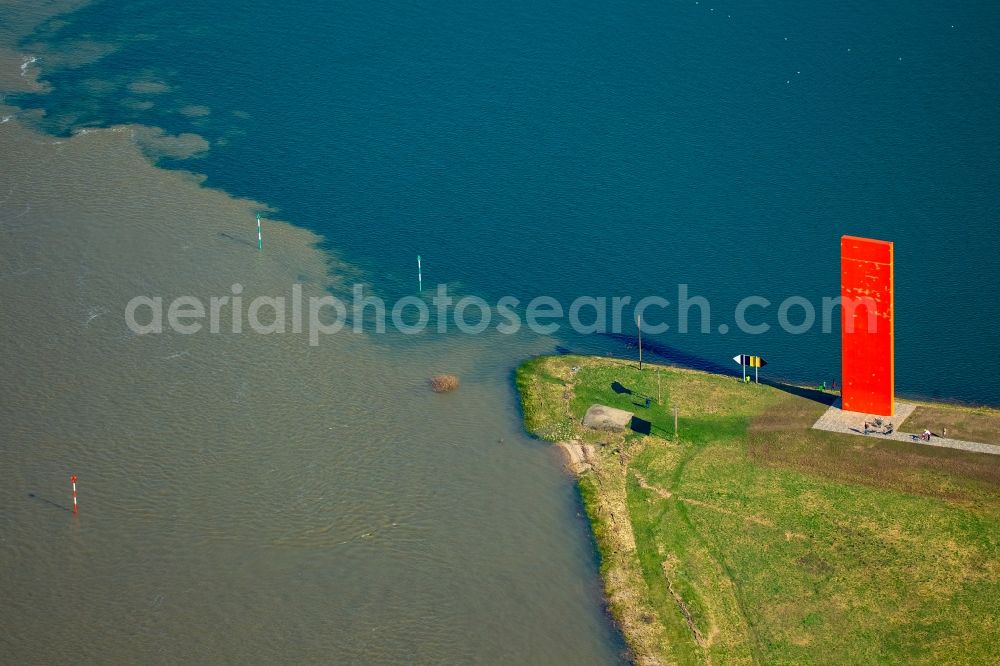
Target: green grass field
x=751 y=538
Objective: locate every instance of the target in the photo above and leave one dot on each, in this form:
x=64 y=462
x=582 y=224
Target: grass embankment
x=969 y=423
x=751 y=538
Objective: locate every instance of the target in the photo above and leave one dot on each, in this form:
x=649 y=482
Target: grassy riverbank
x=751 y=538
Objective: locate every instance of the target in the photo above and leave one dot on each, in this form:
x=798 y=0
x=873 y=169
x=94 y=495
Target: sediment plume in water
x=247 y=497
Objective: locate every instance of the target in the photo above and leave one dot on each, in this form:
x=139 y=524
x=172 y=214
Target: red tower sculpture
x=866 y=325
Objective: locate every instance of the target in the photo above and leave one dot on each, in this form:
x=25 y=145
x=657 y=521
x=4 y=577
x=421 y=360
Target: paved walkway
x=852 y=423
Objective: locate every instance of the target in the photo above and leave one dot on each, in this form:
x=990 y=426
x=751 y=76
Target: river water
x=253 y=499
x=249 y=498
x=580 y=148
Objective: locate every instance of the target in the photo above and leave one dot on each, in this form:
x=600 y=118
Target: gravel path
x=852 y=423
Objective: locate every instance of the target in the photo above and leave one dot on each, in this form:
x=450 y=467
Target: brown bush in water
x=444 y=383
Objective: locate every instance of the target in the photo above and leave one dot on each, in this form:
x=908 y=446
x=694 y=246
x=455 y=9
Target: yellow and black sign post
x=755 y=362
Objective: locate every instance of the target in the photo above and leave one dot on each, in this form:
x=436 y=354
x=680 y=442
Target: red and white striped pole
x=72 y=479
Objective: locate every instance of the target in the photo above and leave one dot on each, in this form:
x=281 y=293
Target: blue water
x=593 y=148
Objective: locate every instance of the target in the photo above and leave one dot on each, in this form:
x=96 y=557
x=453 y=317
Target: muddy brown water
x=249 y=498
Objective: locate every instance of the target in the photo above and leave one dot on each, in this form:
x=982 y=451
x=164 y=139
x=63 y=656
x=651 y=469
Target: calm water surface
x=252 y=499
x=581 y=148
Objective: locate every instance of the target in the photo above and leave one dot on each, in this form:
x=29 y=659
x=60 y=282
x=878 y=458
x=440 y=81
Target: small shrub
x=444 y=383
x=560 y=431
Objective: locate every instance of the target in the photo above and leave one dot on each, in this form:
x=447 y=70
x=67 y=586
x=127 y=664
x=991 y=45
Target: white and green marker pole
x=420 y=275
x=260 y=238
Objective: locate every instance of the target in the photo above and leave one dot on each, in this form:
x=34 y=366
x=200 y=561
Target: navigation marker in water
x=260 y=238
x=72 y=480
x=420 y=275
